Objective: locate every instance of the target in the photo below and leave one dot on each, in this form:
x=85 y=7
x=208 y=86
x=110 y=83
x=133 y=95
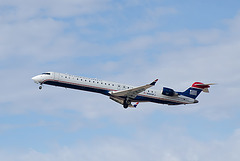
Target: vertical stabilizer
x=196 y=89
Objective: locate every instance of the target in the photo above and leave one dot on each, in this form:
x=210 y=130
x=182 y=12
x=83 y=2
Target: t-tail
x=196 y=89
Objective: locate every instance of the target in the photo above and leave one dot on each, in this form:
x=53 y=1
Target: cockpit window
x=46 y=73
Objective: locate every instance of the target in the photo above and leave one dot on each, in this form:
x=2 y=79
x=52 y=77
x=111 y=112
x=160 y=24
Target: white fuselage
x=106 y=87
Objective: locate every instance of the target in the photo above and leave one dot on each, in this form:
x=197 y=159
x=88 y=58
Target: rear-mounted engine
x=168 y=92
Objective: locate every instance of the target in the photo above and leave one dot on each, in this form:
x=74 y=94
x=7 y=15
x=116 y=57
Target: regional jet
x=122 y=93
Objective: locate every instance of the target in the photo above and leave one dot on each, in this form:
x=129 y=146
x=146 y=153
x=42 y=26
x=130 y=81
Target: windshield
x=46 y=73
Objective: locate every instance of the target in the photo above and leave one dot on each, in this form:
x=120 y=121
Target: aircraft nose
x=36 y=79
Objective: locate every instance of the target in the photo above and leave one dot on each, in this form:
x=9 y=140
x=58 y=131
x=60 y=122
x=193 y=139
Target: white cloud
x=38 y=29
x=149 y=19
x=31 y=38
x=162 y=145
x=22 y=9
x=234 y=25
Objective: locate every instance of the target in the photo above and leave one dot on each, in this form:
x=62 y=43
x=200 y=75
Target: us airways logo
x=193 y=92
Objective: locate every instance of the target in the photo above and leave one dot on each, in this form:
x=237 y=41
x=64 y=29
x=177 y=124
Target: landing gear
x=126 y=103
x=40 y=87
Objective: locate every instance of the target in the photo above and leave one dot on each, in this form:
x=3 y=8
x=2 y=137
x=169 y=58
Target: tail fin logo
x=193 y=92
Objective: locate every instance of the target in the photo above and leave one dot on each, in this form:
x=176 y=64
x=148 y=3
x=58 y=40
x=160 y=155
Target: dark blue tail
x=191 y=92
x=195 y=90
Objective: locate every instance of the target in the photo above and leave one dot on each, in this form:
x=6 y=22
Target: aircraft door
x=56 y=76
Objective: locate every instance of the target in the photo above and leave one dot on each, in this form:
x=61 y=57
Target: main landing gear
x=126 y=103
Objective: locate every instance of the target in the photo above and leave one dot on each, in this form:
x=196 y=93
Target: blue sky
x=132 y=42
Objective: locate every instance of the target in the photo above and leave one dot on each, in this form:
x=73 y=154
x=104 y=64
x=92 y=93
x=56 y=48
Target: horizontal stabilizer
x=202 y=86
x=205 y=90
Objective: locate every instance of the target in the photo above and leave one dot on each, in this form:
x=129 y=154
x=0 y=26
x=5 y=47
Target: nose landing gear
x=40 y=87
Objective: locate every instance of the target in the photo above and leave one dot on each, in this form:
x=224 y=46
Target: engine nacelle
x=168 y=92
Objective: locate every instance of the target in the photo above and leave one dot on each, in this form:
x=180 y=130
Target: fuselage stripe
x=144 y=97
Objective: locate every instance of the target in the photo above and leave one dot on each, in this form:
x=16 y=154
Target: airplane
x=122 y=93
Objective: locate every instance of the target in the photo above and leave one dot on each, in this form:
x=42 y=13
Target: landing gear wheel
x=40 y=87
x=126 y=103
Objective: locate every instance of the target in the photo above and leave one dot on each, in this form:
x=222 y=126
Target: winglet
x=154 y=82
x=136 y=104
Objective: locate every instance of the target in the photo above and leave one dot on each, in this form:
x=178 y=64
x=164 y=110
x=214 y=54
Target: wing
x=132 y=93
